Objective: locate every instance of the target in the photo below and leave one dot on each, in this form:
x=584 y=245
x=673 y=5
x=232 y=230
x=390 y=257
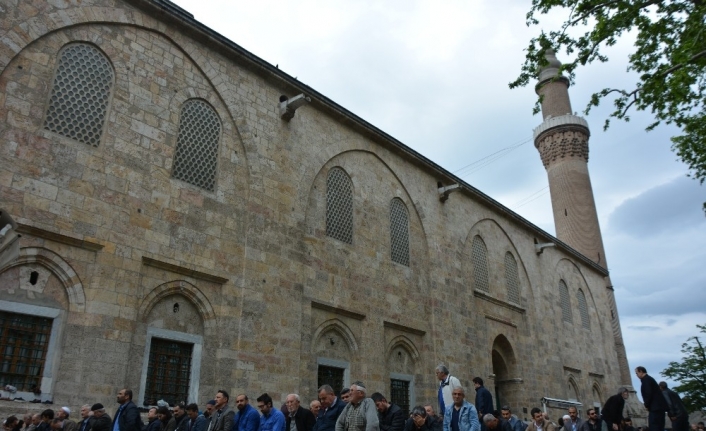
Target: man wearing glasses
x=594 y=423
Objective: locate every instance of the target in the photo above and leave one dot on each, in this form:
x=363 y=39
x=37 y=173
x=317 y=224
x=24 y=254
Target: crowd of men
x=354 y=410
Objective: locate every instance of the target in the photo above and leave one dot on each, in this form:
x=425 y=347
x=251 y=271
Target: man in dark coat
x=85 y=423
x=390 y=415
x=127 y=416
x=331 y=407
x=612 y=412
x=194 y=421
x=101 y=419
x=676 y=409
x=653 y=399
x=484 y=401
x=421 y=420
x=153 y=422
x=496 y=424
x=303 y=419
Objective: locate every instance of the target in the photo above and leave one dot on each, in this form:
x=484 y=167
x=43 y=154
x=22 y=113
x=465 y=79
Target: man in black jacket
x=390 y=415
x=127 y=416
x=612 y=412
x=101 y=419
x=304 y=419
x=676 y=410
x=653 y=399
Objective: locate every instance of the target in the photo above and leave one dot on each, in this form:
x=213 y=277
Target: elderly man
x=495 y=424
x=314 y=407
x=85 y=423
x=101 y=419
x=222 y=417
x=272 y=419
x=574 y=423
x=246 y=418
x=461 y=415
x=331 y=407
x=447 y=384
x=390 y=415
x=612 y=412
x=298 y=418
x=66 y=424
x=127 y=418
x=360 y=413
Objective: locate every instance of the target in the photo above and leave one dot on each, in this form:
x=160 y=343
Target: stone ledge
x=404 y=328
x=337 y=310
x=148 y=261
x=500 y=320
x=75 y=240
x=562 y=120
x=484 y=296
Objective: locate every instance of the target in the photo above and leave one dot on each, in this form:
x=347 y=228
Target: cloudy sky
x=434 y=74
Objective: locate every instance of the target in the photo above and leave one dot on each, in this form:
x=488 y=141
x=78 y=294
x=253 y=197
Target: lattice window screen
x=480 y=264
x=565 y=302
x=197 y=145
x=339 y=206
x=583 y=309
x=512 y=279
x=399 y=232
x=79 y=97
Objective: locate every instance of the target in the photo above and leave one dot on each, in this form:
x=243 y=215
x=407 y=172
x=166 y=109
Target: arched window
x=583 y=309
x=79 y=98
x=512 y=279
x=565 y=302
x=399 y=232
x=339 y=206
x=197 y=145
x=480 y=264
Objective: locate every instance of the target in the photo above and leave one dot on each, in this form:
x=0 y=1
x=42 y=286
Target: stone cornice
x=148 y=261
x=72 y=239
x=561 y=121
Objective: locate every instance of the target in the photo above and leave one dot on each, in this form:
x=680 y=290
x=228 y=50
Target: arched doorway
x=507 y=382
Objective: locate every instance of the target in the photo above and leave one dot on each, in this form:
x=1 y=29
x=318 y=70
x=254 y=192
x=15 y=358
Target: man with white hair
x=298 y=418
x=360 y=413
x=447 y=384
x=461 y=415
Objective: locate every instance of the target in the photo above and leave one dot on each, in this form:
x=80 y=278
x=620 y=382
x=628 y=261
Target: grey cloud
x=644 y=328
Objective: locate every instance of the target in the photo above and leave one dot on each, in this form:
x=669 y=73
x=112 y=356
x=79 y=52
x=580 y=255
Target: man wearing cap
x=63 y=415
x=612 y=412
x=101 y=419
x=127 y=418
x=360 y=413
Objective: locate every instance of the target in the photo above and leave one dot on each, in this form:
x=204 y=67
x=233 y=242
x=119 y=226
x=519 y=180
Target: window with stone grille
x=339 y=206
x=78 y=104
x=399 y=394
x=512 y=278
x=23 y=348
x=399 y=232
x=168 y=372
x=565 y=301
x=480 y=264
x=583 y=309
x=197 y=145
x=332 y=376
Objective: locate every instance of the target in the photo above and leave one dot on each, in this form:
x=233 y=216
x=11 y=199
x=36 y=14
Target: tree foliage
x=669 y=58
x=690 y=373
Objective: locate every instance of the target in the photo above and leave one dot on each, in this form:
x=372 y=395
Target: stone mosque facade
x=193 y=218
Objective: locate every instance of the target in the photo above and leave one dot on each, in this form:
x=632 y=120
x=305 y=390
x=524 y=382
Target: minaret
x=562 y=141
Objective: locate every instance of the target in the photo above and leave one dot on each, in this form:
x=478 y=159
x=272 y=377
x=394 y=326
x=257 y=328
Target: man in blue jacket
x=461 y=416
x=246 y=418
x=193 y=420
x=331 y=407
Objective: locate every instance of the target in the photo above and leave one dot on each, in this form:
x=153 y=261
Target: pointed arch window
x=565 y=301
x=339 y=206
x=399 y=232
x=78 y=103
x=479 y=255
x=512 y=278
x=196 y=154
x=583 y=309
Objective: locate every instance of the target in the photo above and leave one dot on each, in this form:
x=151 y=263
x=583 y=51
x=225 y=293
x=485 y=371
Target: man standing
x=101 y=419
x=538 y=422
x=153 y=423
x=484 y=401
x=359 y=414
x=460 y=415
x=222 y=418
x=272 y=419
x=390 y=415
x=612 y=412
x=494 y=424
x=594 y=423
x=85 y=423
x=246 y=418
x=298 y=418
x=447 y=384
x=127 y=418
x=676 y=410
x=574 y=423
x=515 y=423
x=194 y=421
x=653 y=399
x=331 y=407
